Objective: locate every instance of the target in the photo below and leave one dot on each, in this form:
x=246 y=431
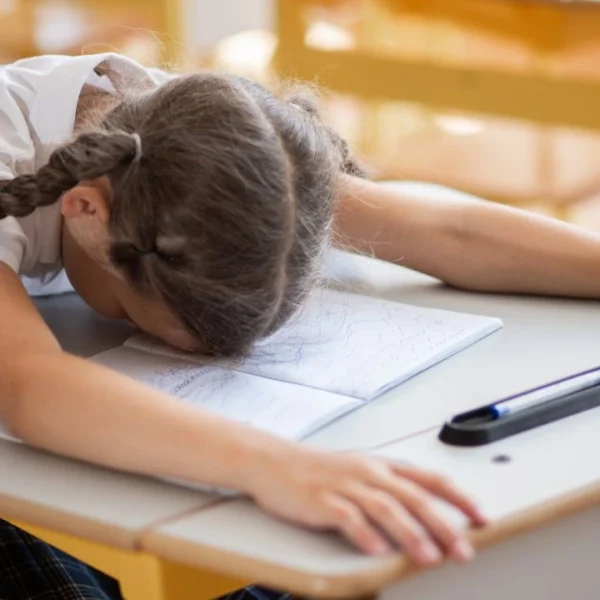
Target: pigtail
x=349 y=164
x=89 y=156
x=19 y=196
x=307 y=102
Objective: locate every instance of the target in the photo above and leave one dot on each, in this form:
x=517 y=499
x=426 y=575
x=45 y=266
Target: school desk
x=167 y=537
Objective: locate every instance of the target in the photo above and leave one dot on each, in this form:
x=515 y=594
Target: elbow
x=468 y=273
x=462 y=271
x=472 y=275
x=466 y=265
x=448 y=259
x=466 y=284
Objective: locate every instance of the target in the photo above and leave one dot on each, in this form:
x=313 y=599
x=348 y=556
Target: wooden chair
x=537 y=63
x=549 y=32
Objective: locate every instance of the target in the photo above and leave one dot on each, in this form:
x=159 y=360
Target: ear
x=88 y=198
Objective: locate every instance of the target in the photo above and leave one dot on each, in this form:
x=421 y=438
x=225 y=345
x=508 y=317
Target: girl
x=199 y=208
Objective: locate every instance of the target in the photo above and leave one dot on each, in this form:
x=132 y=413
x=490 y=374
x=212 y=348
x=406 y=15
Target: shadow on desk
x=78 y=328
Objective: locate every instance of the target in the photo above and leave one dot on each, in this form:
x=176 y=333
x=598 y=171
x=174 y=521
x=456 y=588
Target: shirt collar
x=58 y=91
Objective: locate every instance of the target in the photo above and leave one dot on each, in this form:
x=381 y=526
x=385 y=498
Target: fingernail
x=429 y=553
x=483 y=520
x=462 y=551
x=380 y=547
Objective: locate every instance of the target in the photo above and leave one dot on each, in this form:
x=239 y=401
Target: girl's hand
x=371 y=502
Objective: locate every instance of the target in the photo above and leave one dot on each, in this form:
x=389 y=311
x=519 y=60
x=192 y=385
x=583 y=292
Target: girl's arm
x=71 y=406
x=469 y=243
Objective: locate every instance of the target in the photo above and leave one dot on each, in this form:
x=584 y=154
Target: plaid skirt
x=33 y=570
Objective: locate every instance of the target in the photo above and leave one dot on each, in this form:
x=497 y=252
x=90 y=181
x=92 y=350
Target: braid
x=17 y=196
x=349 y=163
x=307 y=103
x=89 y=156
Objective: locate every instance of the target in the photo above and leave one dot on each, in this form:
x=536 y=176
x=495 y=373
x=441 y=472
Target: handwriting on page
x=356 y=345
x=359 y=346
x=280 y=408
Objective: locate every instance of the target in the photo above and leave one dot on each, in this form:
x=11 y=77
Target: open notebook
x=339 y=352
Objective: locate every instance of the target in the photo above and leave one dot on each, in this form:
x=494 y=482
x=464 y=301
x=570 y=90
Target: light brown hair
x=226 y=214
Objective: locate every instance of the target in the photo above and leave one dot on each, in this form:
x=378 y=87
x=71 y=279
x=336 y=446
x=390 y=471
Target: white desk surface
x=97 y=504
x=552 y=472
x=543 y=339
x=78 y=329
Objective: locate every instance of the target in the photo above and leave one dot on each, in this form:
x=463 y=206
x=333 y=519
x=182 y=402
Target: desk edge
x=18 y=509
x=387 y=570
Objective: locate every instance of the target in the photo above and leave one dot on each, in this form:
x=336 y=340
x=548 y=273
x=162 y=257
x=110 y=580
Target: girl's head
x=220 y=215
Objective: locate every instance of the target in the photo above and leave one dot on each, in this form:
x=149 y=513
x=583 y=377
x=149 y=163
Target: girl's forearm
x=70 y=406
x=503 y=249
x=471 y=244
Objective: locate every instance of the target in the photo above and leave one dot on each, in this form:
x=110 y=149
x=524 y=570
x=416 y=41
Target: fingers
x=350 y=520
x=377 y=504
x=399 y=524
x=407 y=510
x=422 y=505
x=443 y=488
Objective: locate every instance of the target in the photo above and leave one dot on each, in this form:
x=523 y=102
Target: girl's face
x=150 y=316
x=85 y=243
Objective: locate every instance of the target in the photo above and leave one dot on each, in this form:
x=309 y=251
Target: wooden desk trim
x=18 y=509
x=389 y=570
x=62 y=521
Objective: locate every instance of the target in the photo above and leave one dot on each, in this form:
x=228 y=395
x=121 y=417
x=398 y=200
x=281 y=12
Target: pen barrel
x=545 y=394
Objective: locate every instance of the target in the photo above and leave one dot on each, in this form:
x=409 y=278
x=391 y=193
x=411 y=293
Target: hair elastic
x=138 y=147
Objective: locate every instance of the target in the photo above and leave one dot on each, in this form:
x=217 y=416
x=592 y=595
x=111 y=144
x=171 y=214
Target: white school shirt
x=38 y=104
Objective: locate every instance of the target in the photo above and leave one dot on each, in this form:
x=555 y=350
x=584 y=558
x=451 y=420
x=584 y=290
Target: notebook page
x=282 y=409
x=354 y=345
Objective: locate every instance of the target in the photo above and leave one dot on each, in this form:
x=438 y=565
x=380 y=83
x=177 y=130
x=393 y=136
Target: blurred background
x=500 y=98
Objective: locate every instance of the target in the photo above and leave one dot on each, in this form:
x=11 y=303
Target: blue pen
x=551 y=392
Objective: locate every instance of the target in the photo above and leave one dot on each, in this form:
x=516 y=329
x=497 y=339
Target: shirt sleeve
x=17 y=155
x=13 y=243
